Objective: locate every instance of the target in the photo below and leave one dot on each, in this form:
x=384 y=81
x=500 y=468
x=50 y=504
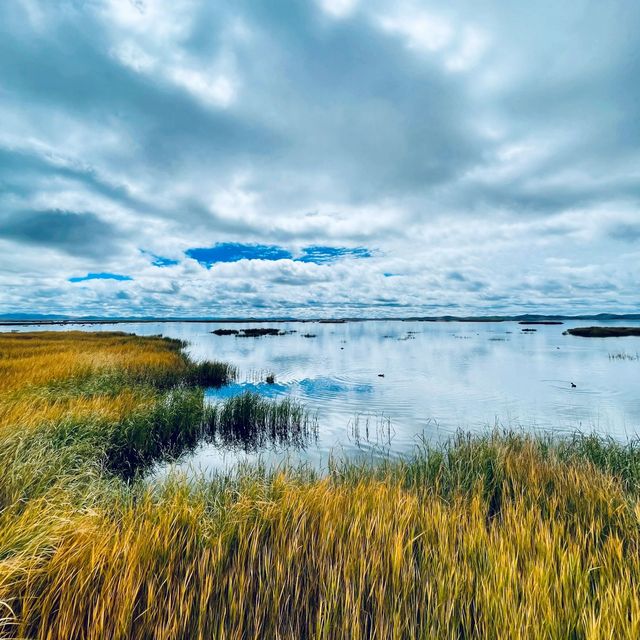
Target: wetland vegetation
x=251 y=332
x=603 y=332
x=502 y=535
x=622 y=355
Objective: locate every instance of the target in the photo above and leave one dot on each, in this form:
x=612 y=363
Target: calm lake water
x=438 y=378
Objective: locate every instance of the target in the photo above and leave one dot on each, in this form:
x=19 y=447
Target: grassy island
x=603 y=332
x=495 y=536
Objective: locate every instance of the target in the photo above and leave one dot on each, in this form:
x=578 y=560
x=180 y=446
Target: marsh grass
x=621 y=355
x=74 y=405
x=504 y=535
x=251 y=422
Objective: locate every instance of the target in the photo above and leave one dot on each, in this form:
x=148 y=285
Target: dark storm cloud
x=73 y=70
x=626 y=231
x=79 y=234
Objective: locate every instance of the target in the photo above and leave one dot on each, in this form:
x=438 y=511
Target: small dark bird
x=573 y=386
x=381 y=375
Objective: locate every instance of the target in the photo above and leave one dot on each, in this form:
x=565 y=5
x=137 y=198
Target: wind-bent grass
x=496 y=536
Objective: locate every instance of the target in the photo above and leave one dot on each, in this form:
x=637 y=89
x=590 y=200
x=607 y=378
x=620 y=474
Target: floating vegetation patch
x=252 y=333
x=603 y=332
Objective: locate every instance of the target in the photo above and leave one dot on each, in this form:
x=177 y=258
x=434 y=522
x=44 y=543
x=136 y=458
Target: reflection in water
x=437 y=378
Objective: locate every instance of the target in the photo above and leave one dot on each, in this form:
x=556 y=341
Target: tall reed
x=250 y=422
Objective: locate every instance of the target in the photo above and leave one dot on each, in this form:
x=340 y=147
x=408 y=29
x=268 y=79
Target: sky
x=319 y=158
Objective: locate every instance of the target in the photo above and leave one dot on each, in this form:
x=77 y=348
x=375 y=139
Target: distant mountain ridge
x=34 y=318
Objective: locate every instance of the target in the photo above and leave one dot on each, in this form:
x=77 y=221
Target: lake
x=438 y=377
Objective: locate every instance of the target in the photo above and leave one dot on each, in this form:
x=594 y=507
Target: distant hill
x=35 y=318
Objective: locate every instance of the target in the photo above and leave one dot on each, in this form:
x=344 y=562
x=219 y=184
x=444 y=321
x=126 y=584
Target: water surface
x=379 y=387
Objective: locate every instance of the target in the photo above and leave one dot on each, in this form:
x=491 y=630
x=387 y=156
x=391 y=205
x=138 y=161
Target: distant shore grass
x=603 y=332
x=504 y=535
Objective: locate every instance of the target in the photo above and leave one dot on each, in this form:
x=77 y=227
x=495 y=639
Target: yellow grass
x=30 y=361
x=37 y=358
x=505 y=536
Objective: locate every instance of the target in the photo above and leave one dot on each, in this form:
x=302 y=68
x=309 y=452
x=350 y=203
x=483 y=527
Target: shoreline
x=521 y=319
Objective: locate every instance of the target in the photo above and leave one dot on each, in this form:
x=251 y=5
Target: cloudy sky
x=318 y=158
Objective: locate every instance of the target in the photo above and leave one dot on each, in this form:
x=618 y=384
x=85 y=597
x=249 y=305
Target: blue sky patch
x=321 y=254
x=159 y=261
x=236 y=251
x=100 y=276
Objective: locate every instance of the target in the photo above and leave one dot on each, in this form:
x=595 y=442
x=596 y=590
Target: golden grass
x=504 y=536
x=32 y=362
x=30 y=359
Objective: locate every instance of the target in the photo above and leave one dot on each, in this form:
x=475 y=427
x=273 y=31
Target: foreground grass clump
x=497 y=536
x=503 y=537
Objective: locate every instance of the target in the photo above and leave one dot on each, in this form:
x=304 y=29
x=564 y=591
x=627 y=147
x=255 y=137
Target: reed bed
x=504 y=535
x=250 y=422
x=622 y=355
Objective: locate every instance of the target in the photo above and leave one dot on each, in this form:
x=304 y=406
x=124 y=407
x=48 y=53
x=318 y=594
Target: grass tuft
x=251 y=422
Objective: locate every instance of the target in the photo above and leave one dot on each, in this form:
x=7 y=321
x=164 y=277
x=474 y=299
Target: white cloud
x=339 y=8
x=422 y=31
x=216 y=89
x=213 y=86
x=432 y=135
x=471 y=45
x=459 y=46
